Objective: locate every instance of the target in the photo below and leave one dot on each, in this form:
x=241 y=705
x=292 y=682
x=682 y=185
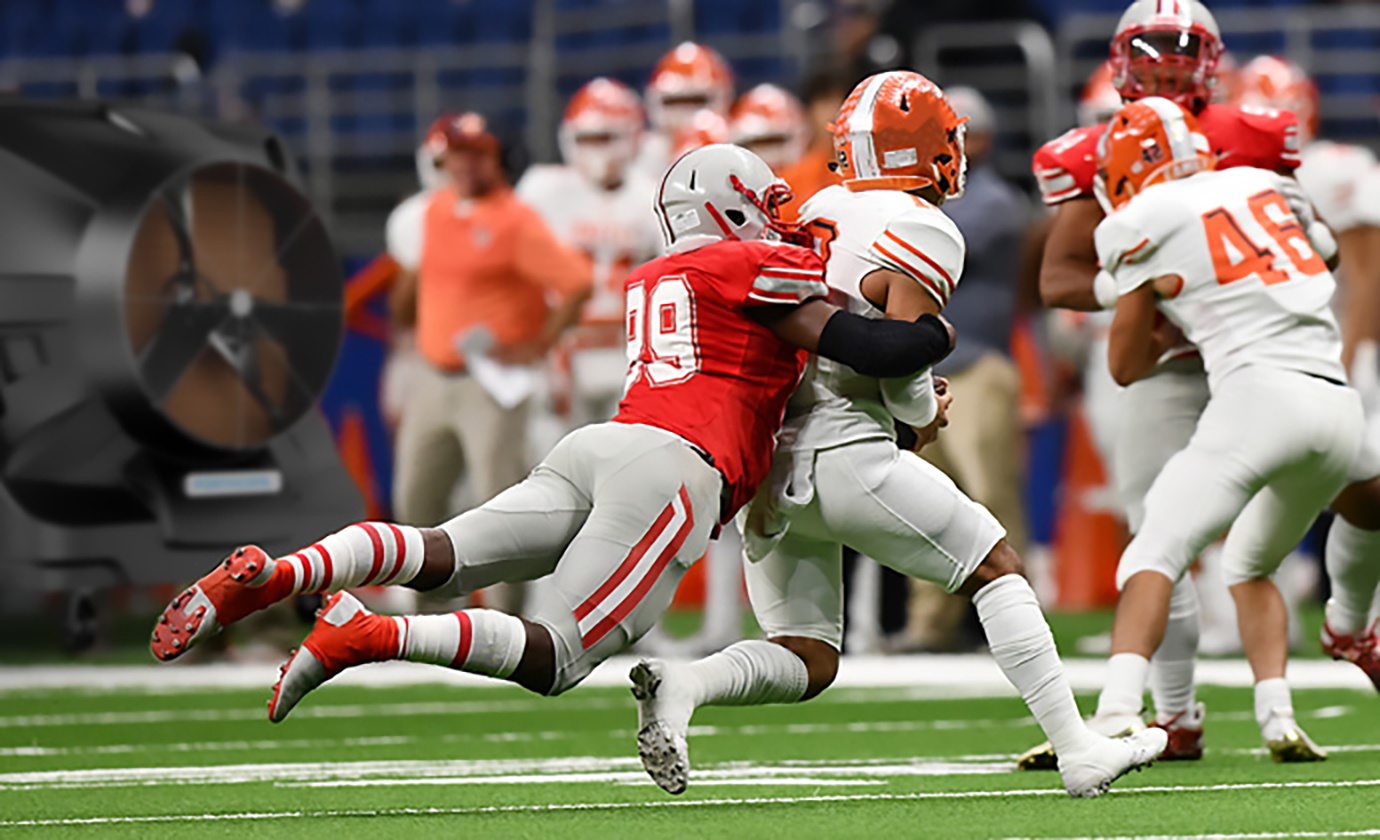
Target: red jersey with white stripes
x=1240 y=136
x=701 y=367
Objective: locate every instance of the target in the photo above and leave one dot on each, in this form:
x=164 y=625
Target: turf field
x=178 y=758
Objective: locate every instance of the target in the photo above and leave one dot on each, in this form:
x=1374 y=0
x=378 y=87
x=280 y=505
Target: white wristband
x=1104 y=289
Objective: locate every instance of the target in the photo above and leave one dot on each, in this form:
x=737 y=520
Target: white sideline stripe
x=471 y=771
x=961 y=675
x=689 y=803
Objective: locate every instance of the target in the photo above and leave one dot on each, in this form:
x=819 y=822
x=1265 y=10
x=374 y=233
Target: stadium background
x=352 y=84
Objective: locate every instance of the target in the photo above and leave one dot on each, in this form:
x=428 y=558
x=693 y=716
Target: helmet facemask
x=1176 y=63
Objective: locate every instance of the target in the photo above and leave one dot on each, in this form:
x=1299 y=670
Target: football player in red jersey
x=718 y=333
x=1167 y=48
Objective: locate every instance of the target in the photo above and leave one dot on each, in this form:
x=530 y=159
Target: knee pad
x=1148 y=554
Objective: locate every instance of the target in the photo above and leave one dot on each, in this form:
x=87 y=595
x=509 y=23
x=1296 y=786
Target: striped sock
x=364 y=554
x=484 y=642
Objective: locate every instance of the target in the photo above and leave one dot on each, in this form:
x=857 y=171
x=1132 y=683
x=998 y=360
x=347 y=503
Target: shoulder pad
x=1264 y=138
x=1064 y=167
x=925 y=245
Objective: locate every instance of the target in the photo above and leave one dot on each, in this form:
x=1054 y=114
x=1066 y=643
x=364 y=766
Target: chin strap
x=775 y=195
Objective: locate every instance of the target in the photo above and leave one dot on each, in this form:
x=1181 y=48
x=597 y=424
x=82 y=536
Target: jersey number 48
x=662 y=344
x=1223 y=231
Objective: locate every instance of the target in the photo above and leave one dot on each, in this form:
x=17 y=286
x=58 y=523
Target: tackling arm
x=1068 y=270
x=1134 y=344
x=882 y=349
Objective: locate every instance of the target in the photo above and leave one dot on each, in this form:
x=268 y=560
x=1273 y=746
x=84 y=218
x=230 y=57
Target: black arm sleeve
x=884 y=348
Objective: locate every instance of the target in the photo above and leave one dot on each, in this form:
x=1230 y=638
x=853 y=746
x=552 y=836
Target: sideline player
x=1343 y=183
x=597 y=202
x=1167 y=48
x=1225 y=259
x=838 y=477
x=769 y=121
x=690 y=78
x=618 y=511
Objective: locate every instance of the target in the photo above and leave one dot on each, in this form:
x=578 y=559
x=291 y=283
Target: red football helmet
x=689 y=78
x=770 y=121
x=1148 y=141
x=1167 y=48
x=429 y=153
x=1100 y=99
x=600 y=131
x=897 y=131
x=1268 y=81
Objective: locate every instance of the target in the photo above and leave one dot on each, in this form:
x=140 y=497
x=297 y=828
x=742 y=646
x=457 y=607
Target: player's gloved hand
x=1298 y=202
x=926 y=435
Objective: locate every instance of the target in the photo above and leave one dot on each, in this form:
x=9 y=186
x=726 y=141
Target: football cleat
x=1091 y=771
x=1286 y=740
x=1185 y=732
x=345 y=635
x=663 y=723
x=231 y=591
x=1362 y=650
x=1042 y=757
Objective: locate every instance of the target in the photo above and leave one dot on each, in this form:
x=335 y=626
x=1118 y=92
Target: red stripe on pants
x=629 y=563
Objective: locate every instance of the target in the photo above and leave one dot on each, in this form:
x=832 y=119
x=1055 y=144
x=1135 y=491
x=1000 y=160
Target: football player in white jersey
x=688 y=79
x=597 y=202
x=1343 y=183
x=838 y=477
x=1225 y=259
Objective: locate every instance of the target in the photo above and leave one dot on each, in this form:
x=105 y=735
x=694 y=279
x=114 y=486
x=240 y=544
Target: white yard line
x=702 y=803
x=926 y=675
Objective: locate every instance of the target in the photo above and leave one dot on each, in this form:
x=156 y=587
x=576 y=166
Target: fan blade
x=176 y=197
x=176 y=345
x=239 y=353
x=289 y=323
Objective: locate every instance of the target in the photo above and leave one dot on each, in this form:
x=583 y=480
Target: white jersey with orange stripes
x=615 y=227
x=858 y=233
x=1253 y=291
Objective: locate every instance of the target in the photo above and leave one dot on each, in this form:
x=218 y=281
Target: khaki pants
x=982 y=450
x=451 y=425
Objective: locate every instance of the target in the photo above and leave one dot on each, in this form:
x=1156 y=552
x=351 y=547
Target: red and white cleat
x=1185 y=732
x=1362 y=650
x=345 y=635
x=231 y=591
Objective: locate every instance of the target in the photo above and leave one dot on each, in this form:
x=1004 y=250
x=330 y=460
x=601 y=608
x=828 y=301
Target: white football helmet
x=721 y=192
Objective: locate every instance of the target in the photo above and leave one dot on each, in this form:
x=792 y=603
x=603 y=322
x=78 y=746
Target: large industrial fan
x=170 y=311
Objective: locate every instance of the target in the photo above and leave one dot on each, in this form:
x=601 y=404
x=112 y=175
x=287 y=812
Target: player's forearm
x=1132 y=349
x=1360 y=249
x=402 y=300
x=564 y=315
x=885 y=348
x=1068 y=283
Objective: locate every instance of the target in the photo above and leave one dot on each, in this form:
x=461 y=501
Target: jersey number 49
x=662 y=344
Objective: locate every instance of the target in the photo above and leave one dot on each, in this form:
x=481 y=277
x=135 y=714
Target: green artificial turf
x=497 y=762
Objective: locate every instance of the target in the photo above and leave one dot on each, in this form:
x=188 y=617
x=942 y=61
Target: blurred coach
x=491 y=275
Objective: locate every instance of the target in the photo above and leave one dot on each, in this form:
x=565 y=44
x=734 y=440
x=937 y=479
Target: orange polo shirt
x=807 y=176
x=490 y=261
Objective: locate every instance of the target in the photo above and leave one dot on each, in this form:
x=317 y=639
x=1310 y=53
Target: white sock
x=1171 y=668
x=484 y=642
x=1124 y=693
x=1023 y=647
x=1271 y=695
x=364 y=554
x=751 y=673
x=1353 y=566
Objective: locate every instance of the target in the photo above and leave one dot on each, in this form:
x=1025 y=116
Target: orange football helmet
x=705 y=128
x=1269 y=81
x=896 y=131
x=1100 y=99
x=1167 y=48
x=1147 y=142
x=600 y=130
x=770 y=121
x=429 y=153
x=689 y=78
